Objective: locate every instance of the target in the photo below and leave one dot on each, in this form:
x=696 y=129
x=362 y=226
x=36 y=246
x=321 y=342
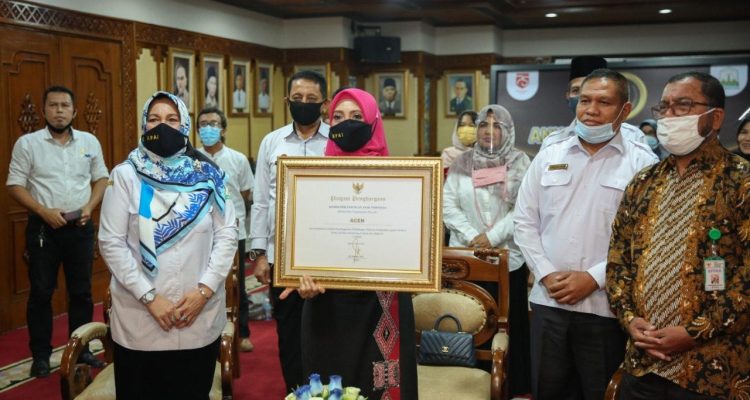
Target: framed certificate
x=364 y=223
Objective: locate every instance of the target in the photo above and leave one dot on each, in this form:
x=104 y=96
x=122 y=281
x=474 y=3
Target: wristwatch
x=149 y=297
x=203 y=292
x=255 y=253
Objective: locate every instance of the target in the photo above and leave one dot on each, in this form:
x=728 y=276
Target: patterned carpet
x=17 y=373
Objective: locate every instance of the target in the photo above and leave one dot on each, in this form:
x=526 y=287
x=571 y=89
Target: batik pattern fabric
x=718 y=321
x=662 y=283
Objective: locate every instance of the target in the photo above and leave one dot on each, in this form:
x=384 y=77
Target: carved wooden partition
x=40 y=47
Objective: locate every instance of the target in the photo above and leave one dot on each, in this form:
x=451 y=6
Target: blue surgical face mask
x=596 y=134
x=573 y=103
x=652 y=142
x=210 y=135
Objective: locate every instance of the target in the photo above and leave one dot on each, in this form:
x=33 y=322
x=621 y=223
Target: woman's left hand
x=188 y=308
x=307 y=289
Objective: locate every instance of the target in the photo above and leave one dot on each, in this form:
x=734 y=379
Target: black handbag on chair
x=447 y=348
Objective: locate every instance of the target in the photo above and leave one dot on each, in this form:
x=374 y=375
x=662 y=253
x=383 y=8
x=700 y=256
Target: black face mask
x=58 y=130
x=163 y=140
x=305 y=113
x=351 y=135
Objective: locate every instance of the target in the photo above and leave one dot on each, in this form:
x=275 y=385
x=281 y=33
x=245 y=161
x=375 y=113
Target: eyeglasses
x=679 y=108
x=213 y=124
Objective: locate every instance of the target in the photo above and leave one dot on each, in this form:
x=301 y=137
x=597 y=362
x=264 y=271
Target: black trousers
x=244 y=301
x=654 y=387
x=519 y=357
x=288 y=315
x=573 y=355
x=73 y=246
x=171 y=374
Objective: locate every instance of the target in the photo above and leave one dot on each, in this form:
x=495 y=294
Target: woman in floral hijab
x=168 y=236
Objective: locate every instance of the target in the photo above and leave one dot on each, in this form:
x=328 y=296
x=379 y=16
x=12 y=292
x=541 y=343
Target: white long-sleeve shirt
x=462 y=205
x=283 y=141
x=238 y=178
x=565 y=209
x=204 y=256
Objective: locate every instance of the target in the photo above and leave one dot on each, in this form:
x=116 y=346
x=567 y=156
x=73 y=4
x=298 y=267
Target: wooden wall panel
x=93 y=69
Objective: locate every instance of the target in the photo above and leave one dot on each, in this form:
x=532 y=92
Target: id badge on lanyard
x=714 y=267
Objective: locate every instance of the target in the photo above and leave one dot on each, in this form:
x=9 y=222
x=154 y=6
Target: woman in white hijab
x=479 y=197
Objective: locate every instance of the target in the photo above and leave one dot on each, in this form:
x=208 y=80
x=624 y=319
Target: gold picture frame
x=263 y=89
x=460 y=92
x=212 y=84
x=181 y=75
x=363 y=223
x=238 y=87
x=392 y=94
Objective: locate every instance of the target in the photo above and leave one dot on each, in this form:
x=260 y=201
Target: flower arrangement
x=316 y=390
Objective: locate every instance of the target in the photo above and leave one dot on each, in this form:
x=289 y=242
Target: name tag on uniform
x=557 y=167
x=713 y=274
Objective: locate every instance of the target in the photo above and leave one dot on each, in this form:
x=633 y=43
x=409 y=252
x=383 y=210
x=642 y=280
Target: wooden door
x=30 y=61
x=28 y=65
x=92 y=69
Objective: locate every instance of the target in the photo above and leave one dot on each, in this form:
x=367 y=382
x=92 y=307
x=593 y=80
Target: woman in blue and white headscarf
x=168 y=236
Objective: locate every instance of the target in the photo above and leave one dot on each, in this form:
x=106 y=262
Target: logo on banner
x=522 y=85
x=732 y=77
x=522 y=80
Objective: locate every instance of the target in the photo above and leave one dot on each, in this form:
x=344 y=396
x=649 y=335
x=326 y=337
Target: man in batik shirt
x=686 y=311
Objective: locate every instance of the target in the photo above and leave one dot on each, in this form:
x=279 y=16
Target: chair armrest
x=226 y=359
x=500 y=342
x=75 y=377
x=499 y=365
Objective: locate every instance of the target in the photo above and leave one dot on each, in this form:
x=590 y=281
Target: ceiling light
x=551 y=15
x=665 y=11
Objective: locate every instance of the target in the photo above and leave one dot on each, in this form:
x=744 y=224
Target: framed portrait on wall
x=211 y=84
x=263 y=89
x=180 y=75
x=391 y=94
x=323 y=69
x=238 y=88
x=459 y=89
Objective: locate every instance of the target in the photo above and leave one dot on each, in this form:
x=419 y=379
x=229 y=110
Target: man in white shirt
x=306 y=136
x=239 y=97
x=264 y=98
x=212 y=130
x=563 y=218
x=51 y=174
x=580 y=67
